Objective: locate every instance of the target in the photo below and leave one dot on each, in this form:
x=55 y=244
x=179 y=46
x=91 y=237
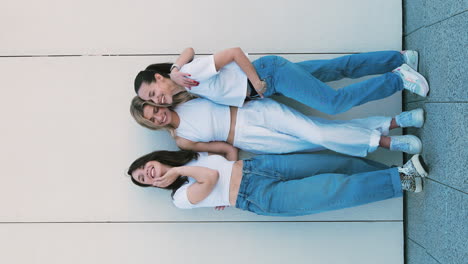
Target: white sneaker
x=412 y=173
x=407 y=143
x=411 y=57
x=413 y=118
x=415 y=167
x=412 y=80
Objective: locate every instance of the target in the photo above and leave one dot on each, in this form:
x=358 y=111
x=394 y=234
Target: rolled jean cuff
x=374 y=141
x=386 y=128
x=396 y=182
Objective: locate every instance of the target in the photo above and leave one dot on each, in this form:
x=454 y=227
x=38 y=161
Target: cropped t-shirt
x=219 y=196
x=203 y=121
x=228 y=86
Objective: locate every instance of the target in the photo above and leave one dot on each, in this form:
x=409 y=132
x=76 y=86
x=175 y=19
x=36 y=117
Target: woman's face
x=160 y=116
x=150 y=172
x=160 y=92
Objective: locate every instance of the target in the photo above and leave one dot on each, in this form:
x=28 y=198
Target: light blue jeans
x=304 y=81
x=268 y=127
x=302 y=184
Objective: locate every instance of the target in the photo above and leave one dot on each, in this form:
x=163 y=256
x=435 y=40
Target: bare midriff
x=236 y=178
x=232 y=126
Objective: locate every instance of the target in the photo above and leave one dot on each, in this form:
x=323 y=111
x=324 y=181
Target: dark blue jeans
x=302 y=184
x=304 y=81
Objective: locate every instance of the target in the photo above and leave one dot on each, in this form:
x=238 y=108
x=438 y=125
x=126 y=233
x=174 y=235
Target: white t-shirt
x=219 y=196
x=228 y=86
x=201 y=120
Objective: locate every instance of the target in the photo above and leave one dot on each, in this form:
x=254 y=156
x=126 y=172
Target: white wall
x=67 y=136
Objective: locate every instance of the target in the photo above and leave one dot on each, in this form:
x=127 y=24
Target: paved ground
x=437 y=220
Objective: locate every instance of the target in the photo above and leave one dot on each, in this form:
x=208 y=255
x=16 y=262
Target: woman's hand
x=220 y=208
x=168 y=178
x=260 y=87
x=183 y=79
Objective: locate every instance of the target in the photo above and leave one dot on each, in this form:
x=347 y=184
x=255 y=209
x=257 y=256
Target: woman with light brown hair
x=268 y=127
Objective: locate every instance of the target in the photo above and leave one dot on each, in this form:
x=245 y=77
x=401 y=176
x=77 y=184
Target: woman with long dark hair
x=229 y=78
x=276 y=185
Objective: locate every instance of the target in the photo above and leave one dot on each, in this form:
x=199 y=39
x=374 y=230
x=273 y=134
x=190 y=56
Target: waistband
x=246 y=169
x=252 y=92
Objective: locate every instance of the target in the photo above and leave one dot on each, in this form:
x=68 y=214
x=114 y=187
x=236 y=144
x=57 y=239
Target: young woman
x=268 y=127
x=276 y=185
x=228 y=78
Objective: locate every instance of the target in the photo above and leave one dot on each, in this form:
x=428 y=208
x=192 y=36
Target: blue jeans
x=304 y=81
x=301 y=184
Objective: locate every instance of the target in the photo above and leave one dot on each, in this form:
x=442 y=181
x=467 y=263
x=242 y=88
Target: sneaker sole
x=421 y=112
x=418 y=184
x=417 y=61
x=419 y=165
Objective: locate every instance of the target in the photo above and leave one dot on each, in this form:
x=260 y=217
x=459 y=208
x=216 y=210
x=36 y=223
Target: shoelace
x=409 y=83
x=409 y=171
x=408 y=185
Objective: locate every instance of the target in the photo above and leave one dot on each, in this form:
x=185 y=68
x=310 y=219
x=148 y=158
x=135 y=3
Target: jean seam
x=271 y=174
x=359 y=67
x=256 y=204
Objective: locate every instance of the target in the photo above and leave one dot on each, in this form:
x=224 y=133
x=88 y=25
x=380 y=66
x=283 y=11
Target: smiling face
x=160 y=116
x=149 y=173
x=160 y=91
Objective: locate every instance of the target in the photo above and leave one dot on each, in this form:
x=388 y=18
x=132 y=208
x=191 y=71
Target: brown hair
x=171 y=158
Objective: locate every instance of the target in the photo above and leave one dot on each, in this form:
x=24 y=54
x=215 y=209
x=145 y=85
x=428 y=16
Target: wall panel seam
x=167 y=54
x=197 y=222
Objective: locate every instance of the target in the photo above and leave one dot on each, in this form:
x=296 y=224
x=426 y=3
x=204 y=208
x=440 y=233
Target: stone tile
x=437 y=220
x=413 y=15
x=445 y=144
x=437 y=10
x=443 y=50
x=415 y=254
x=445 y=55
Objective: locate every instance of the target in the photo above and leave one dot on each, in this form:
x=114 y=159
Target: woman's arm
x=206 y=179
x=185 y=57
x=219 y=147
x=224 y=57
x=181 y=78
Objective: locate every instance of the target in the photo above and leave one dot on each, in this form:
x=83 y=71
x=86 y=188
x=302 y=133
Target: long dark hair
x=171 y=158
x=147 y=76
